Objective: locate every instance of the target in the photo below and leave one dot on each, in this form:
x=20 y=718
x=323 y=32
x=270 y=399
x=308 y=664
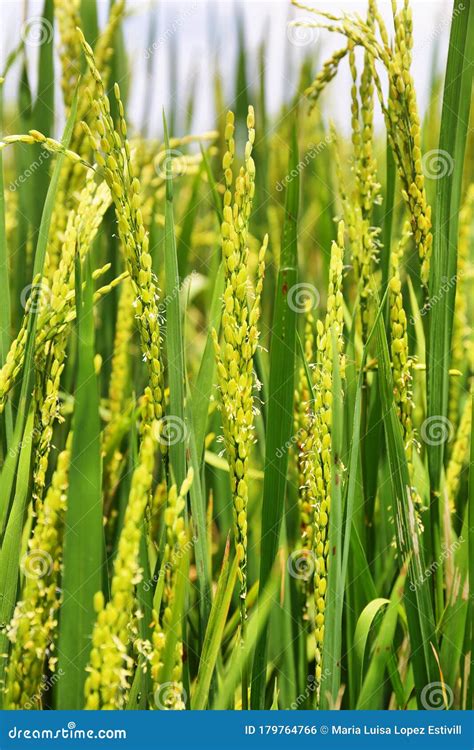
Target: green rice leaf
x=452 y=143
x=89 y=20
x=417 y=599
x=198 y=510
x=241 y=656
x=176 y=620
x=187 y=226
x=470 y=620
x=7 y=476
x=454 y=620
x=214 y=630
x=43 y=107
x=174 y=331
x=83 y=536
x=201 y=390
x=5 y=311
x=280 y=410
x=9 y=554
x=216 y=198
x=364 y=624
x=373 y=683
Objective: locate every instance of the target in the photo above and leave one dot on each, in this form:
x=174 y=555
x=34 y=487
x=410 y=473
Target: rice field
x=237 y=466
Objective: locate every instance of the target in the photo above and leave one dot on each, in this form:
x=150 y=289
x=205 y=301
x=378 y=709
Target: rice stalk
x=400 y=109
x=33 y=628
x=112 y=152
x=176 y=542
x=240 y=334
x=109 y=663
x=317 y=469
x=118 y=583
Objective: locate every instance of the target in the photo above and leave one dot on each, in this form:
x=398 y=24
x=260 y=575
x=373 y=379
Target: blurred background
x=180 y=50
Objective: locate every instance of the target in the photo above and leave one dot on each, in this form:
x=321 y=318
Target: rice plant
x=236 y=379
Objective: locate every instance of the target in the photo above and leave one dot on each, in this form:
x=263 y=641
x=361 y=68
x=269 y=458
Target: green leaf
x=5 y=321
x=470 y=633
x=83 y=535
x=452 y=143
x=43 y=108
x=198 y=510
x=417 y=599
x=366 y=620
x=89 y=20
x=280 y=411
x=187 y=226
x=454 y=620
x=214 y=632
x=213 y=185
x=374 y=679
x=9 y=555
x=7 y=476
x=176 y=621
x=241 y=655
x=174 y=331
x=201 y=390
x=391 y=176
